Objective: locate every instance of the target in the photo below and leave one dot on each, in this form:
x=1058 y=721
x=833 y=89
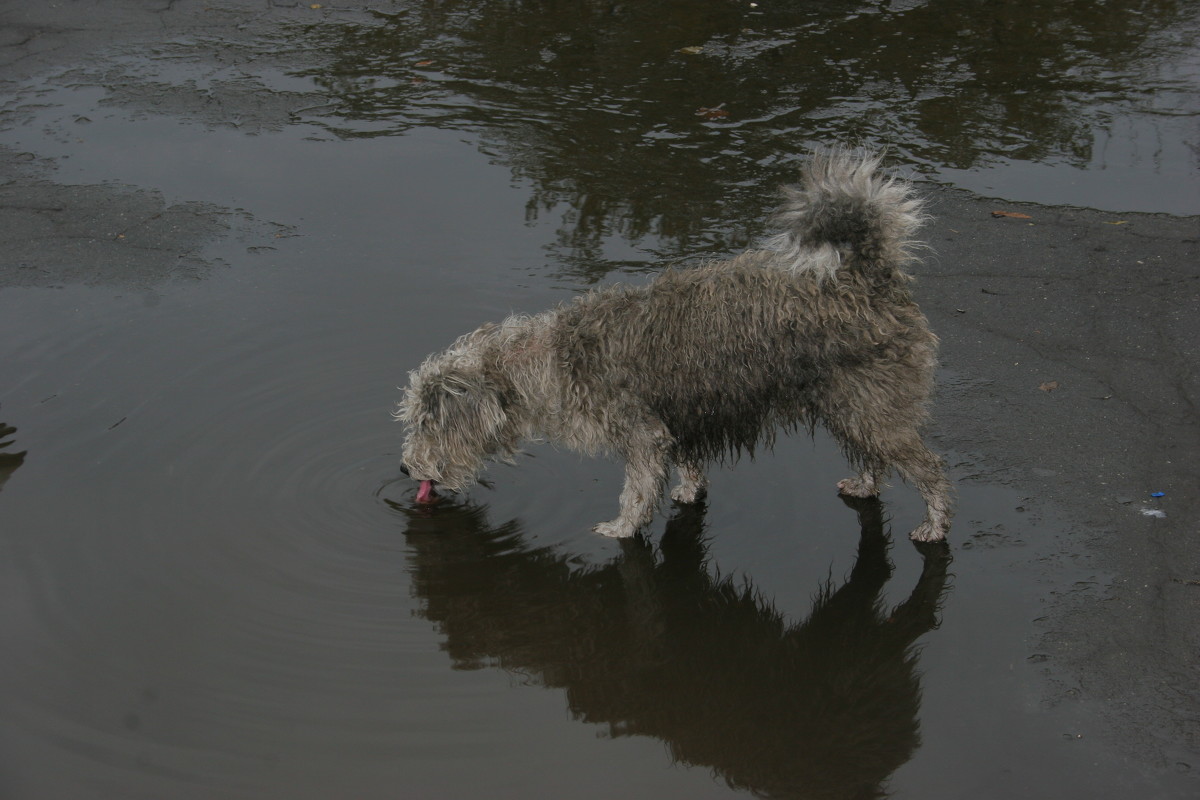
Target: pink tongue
x=425 y=494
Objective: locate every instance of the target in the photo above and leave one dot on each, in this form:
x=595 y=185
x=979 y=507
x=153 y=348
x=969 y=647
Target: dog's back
x=727 y=353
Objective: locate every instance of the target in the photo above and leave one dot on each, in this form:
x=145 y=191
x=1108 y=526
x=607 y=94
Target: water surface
x=215 y=582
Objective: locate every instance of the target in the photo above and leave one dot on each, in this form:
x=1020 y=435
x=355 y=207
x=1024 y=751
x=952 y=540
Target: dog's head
x=456 y=416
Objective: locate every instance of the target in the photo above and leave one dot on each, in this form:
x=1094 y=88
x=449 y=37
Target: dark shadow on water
x=654 y=644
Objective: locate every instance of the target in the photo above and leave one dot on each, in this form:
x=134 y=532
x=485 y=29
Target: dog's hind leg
x=904 y=450
x=924 y=470
x=693 y=483
x=880 y=441
x=646 y=474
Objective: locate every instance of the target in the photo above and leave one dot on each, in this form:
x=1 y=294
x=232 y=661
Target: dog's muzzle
x=425 y=494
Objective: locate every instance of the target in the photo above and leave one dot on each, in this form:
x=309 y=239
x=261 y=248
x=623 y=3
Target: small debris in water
x=716 y=112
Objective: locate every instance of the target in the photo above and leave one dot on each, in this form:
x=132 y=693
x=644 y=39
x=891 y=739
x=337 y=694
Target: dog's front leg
x=646 y=474
x=639 y=499
x=865 y=485
x=693 y=484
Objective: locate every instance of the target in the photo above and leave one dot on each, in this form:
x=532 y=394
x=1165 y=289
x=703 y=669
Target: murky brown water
x=213 y=580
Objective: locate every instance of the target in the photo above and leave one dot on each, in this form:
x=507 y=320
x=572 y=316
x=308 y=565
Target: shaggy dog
x=706 y=363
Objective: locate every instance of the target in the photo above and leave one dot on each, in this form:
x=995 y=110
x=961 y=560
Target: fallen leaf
x=717 y=112
x=1012 y=214
x=1049 y=386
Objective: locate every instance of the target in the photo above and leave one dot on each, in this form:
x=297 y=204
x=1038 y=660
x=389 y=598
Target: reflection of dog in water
x=708 y=362
x=8 y=461
x=654 y=645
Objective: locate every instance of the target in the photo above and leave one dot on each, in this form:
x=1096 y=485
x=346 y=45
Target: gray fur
x=706 y=363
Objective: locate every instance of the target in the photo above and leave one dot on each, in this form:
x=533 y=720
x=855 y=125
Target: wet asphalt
x=1070 y=352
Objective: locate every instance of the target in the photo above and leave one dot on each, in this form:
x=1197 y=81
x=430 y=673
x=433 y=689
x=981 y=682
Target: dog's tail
x=846 y=215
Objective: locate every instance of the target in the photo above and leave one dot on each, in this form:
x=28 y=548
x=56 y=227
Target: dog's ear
x=464 y=405
x=447 y=393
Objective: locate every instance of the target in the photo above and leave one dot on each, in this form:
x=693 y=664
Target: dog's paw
x=617 y=529
x=857 y=487
x=928 y=532
x=687 y=493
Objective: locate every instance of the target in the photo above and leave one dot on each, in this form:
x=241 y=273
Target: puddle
x=214 y=580
x=237 y=593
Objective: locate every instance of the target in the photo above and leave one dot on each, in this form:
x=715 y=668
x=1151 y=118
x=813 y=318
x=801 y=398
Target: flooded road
x=228 y=232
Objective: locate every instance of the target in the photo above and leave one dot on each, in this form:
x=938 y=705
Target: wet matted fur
x=706 y=363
